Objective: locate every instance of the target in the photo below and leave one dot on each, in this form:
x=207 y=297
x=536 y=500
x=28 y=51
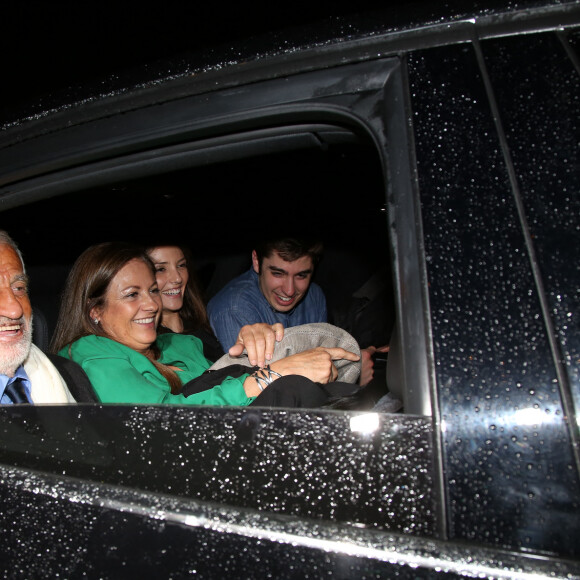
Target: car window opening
x=219 y=211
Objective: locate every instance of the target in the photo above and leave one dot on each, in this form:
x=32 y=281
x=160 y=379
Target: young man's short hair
x=289 y=249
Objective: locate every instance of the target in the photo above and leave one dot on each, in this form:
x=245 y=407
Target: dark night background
x=50 y=49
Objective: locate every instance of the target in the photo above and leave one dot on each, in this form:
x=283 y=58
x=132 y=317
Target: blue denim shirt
x=4 y=380
x=241 y=302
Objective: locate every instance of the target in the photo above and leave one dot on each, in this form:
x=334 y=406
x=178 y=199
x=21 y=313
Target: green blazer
x=120 y=374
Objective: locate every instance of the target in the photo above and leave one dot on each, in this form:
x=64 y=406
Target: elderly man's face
x=15 y=312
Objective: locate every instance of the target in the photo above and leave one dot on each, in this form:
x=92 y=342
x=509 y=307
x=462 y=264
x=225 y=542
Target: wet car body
x=474 y=122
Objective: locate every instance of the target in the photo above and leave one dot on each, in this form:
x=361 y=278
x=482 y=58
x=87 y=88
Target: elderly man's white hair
x=8 y=241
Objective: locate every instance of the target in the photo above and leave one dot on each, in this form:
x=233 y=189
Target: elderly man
x=26 y=373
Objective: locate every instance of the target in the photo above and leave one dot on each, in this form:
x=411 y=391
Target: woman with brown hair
x=184 y=310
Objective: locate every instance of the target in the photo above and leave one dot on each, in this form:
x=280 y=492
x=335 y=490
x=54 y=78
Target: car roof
x=55 y=56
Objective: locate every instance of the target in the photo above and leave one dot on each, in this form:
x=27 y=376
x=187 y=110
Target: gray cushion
x=300 y=338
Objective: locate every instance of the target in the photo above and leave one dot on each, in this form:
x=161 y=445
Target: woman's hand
x=315 y=364
x=258 y=340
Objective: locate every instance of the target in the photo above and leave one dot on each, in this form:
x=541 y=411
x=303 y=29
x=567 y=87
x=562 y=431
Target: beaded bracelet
x=265 y=375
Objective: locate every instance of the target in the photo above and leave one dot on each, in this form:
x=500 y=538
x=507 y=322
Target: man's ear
x=255 y=262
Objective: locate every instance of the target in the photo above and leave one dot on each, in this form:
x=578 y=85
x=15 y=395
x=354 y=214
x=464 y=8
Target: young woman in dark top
x=183 y=307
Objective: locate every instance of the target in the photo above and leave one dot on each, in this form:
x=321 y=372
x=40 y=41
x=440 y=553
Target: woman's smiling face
x=171 y=274
x=132 y=307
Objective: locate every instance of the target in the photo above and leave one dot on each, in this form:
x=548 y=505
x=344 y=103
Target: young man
x=26 y=373
x=277 y=288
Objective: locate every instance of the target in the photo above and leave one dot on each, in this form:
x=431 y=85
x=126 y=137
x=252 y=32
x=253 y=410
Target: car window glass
x=538 y=100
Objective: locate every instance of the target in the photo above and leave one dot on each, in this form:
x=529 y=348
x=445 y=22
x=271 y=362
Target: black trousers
x=298 y=391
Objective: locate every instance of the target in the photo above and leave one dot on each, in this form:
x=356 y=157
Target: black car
x=438 y=157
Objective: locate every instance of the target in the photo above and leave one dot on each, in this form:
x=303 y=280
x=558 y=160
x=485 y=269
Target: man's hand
x=258 y=341
x=367 y=364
